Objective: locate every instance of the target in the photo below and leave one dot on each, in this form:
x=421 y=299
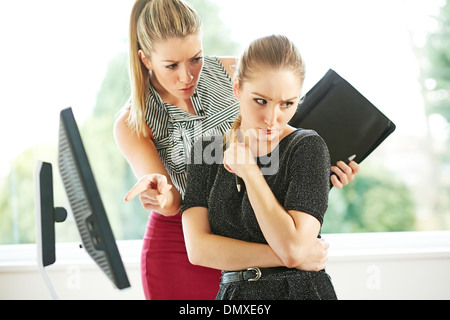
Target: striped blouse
x=175 y=130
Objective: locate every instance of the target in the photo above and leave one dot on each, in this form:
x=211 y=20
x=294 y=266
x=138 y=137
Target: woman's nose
x=186 y=76
x=271 y=117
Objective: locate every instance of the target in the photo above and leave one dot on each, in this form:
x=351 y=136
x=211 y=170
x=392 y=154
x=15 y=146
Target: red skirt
x=166 y=271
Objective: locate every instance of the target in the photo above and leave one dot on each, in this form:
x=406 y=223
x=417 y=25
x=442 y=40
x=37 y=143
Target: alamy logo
x=210 y=151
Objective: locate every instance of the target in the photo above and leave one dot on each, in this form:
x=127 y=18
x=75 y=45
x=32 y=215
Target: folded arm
x=291 y=234
x=218 y=252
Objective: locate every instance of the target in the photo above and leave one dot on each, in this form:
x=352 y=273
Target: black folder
x=349 y=123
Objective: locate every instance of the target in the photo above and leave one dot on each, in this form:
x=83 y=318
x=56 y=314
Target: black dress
x=298 y=172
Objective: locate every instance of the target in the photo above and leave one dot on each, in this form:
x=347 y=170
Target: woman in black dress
x=262 y=235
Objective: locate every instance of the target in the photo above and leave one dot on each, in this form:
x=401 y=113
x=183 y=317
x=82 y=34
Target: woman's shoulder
x=300 y=135
x=221 y=64
x=305 y=140
x=230 y=64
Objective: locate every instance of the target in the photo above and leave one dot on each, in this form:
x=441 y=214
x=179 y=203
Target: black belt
x=251 y=274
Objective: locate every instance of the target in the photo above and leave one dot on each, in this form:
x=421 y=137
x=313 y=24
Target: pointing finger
x=145 y=183
x=151 y=181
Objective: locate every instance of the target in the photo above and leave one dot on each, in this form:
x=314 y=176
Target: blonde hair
x=274 y=52
x=151 y=21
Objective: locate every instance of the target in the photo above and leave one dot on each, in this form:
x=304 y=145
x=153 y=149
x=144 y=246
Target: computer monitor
x=85 y=202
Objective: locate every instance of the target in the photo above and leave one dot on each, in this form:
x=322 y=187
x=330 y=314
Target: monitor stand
x=46 y=217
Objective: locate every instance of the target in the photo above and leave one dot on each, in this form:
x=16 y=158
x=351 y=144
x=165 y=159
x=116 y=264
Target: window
x=55 y=54
x=74 y=53
x=393 y=52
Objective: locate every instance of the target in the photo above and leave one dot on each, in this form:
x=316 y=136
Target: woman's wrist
x=250 y=173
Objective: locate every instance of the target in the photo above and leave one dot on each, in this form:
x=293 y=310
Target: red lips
x=187 y=89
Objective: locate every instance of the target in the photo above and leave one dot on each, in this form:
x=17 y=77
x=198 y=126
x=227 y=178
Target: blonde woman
x=178 y=95
x=262 y=234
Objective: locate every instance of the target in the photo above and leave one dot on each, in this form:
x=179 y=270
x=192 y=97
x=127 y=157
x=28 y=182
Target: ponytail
x=150 y=21
x=231 y=135
x=139 y=75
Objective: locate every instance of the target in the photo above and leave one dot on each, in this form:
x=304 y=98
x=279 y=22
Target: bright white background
x=54 y=54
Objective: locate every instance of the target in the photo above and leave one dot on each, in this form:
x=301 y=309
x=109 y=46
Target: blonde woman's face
x=176 y=64
x=268 y=102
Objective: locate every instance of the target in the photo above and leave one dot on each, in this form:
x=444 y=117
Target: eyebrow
x=270 y=99
x=175 y=61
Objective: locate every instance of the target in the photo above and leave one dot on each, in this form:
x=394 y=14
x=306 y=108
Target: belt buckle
x=258 y=274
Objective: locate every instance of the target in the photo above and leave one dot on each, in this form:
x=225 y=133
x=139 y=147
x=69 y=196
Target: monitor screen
x=85 y=201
